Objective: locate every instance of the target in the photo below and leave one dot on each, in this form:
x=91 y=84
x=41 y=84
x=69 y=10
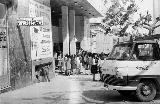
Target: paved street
x=78 y=89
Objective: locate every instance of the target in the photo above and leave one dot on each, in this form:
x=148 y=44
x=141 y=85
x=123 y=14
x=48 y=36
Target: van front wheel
x=146 y=91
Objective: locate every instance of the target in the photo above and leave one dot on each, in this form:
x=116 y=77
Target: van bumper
x=111 y=87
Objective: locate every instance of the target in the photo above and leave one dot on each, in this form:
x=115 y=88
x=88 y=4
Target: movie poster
x=41 y=36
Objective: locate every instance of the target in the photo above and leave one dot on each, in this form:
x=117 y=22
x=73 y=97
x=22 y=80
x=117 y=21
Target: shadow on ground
x=105 y=97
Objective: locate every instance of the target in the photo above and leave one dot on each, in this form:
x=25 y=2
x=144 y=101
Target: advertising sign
x=36 y=21
x=4 y=70
x=41 y=36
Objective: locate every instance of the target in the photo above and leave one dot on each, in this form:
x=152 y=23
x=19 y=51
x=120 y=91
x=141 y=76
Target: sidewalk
x=61 y=90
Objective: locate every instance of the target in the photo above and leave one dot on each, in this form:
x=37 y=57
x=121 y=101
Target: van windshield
x=121 y=52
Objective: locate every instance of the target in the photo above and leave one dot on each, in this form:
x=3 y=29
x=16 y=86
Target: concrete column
x=87 y=32
x=85 y=43
x=65 y=30
x=72 y=32
x=155 y=9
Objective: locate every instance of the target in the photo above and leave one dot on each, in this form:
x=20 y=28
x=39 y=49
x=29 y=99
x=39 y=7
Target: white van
x=133 y=67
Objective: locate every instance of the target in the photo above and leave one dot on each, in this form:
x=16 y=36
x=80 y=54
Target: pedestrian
x=100 y=62
x=68 y=66
x=78 y=63
x=81 y=69
x=90 y=59
x=94 y=68
x=46 y=72
x=85 y=62
x=37 y=73
x=73 y=64
x=60 y=63
x=65 y=58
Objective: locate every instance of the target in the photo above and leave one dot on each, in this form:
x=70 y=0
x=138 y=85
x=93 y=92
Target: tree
x=119 y=16
x=145 y=20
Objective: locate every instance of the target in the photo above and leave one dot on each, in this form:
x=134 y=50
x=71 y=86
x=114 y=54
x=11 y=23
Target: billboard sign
x=41 y=36
x=34 y=21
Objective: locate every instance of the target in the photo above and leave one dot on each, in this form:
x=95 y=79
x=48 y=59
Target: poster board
x=41 y=36
x=4 y=69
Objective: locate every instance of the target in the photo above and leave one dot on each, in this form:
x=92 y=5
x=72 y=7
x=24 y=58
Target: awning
x=82 y=7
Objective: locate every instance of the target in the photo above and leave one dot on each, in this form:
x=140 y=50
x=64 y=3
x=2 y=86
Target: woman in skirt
x=60 y=63
x=94 y=68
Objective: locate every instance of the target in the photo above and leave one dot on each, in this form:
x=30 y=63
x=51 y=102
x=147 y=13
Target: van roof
x=145 y=41
x=142 y=41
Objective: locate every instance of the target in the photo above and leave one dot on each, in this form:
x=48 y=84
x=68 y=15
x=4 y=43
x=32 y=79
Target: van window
x=121 y=52
x=145 y=51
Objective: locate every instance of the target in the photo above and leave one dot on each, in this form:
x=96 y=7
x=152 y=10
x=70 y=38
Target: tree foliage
x=145 y=22
x=119 y=15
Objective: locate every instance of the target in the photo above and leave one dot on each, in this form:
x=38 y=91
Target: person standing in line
x=100 y=62
x=65 y=63
x=60 y=63
x=94 y=68
x=78 y=64
x=90 y=62
x=73 y=64
x=85 y=63
x=68 y=68
x=37 y=73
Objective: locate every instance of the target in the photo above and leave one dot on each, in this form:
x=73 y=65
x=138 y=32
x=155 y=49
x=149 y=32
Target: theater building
x=70 y=20
x=31 y=30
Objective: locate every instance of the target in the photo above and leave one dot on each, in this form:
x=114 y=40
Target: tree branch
x=156 y=26
x=147 y=27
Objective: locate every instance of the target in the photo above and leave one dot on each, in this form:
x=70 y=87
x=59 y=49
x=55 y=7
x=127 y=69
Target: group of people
x=82 y=63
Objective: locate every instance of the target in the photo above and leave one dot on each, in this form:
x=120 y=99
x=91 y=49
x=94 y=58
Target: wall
x=108 y=43
x=101 y=42
x=19 y=45
x=55 y=34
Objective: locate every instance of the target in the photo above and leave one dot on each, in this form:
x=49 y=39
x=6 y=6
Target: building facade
x=70 y=20
x=24 y=45
x=27 y=46
x=100 y=41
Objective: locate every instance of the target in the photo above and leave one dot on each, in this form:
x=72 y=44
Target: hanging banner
x=41 y=36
